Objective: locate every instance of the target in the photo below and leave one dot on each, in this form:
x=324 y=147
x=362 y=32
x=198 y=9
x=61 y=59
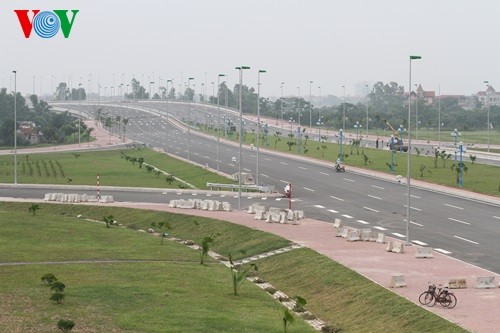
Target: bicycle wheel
x=427 y=298
x=452 y=301
x=444 y=300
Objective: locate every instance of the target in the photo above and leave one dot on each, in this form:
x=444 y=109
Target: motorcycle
x=339 y=167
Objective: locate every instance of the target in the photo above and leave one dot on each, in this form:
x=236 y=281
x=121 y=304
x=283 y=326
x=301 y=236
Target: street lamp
x=218 y=118
x=343 y=114
x=240 y=69
x=455 y=134
x=357 y=126
x=460 y=180
x=310 y=107
x=408 y=175
x=319 y=123
x=367 y=113
x=258 y=123
x=189 y=119
x=15 y=127
x=79 y=112
x=34 y=76
x=488 y=119
x=281 y=86
x=391 y=146
x=416 y=116
x=400 y=141
x=341 y=138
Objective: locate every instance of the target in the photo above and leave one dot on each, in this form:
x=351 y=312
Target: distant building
x=489 y=97
x=29 y=132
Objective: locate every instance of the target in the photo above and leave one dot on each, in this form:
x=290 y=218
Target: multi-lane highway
x=459 y=227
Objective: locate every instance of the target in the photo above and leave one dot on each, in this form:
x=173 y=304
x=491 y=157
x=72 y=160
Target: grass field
x=479 y=178
x=112 y=167
x=170 y=291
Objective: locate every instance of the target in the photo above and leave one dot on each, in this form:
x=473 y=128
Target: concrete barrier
x=457 y=284
x=226 y=206
x=300 y=214
x=366 y=234
x=485 y=282
x=398 y=281
x=339 y=231
x=274 y=210
x=353 y=235
x=260 y=215
x=373 y=236
x=172 y=203
x=381 y=238
x=345 y=232
x=337 y=223
x=283 y=217
x=423 y=252
x=398 y=247
x=389 y=247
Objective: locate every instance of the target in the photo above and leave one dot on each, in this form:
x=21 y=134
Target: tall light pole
x=240 y=68
x=299 y=116
x=416 y=116
x=218 y=118
x=79 y=113
x=341 y=138
x=189 y=119
x=15 y=127
x=488 y=120
x=281 y=86
x=367 y=114
x=439 y=117
x=455 y=134
x=310 y=106
x=258 y=123
x=343 y=113
x=213 y=92
x=408 y=175
x=34 y=76
x=319 y=107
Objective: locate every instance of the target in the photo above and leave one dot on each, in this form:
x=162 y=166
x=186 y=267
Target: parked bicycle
x=438 y=294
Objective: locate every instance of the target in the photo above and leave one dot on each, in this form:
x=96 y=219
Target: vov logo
x=47 y=23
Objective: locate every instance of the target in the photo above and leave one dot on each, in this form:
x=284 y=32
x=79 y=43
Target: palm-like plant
x=33 y=208
x=108 y=220
x=239 y=276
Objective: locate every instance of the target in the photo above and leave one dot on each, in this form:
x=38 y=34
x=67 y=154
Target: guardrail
x=244 y=187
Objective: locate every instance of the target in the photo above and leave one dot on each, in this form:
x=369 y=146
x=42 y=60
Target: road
x=462 y=228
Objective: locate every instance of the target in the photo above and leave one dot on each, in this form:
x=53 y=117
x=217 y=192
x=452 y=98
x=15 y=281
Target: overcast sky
x=330 y=42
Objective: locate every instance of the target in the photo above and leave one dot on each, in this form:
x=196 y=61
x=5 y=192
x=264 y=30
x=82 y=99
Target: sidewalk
x=476 y=309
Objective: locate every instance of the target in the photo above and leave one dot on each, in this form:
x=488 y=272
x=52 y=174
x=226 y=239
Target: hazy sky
x=330 y=42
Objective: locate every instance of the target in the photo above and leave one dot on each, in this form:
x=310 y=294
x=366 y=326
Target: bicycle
x=441 y=295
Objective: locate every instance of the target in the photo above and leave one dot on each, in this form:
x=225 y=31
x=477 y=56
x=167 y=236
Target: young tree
x=49 y=278
x=239 y=276
x=57 y=297
x=65 y=325
x=163 y=227
x=108 y=220
x=206 y=243
x=58 y=286
x=33 y=208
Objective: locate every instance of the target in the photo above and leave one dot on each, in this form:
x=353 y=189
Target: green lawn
x=112 y=167
x=171 y=291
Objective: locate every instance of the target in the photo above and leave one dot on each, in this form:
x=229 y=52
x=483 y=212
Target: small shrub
x=57 y=297
x=170 y=179
x=270 y=290
x=58 y=286
x=49 y=278
x=308 y=316
x=65 y=325
x=331 y=328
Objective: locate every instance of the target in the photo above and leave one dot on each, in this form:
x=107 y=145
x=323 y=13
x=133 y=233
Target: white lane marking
x=414 y=208
x=362 y=222
x=319 y=206
x=349 y=180
x=268 y=159
x=194 y=194
x=284 y=181
x=496 y=217
x=442 y=251
x=228 y=149
x=308 y=189
x=196 y=154
x=419 y=242
x=398 y=234
x=264 y=198
x=333 y=211
x=284 y=163
x=253 y=156
x=454 y=206
x=222 y=195
x=467 y=240
x=247 y=169
x=413 y=196
x=373 y=210
x=278 y=199
x=415 y=223
x=324 y=173
x=209 y=195
x=264 y=175
x=331 y=196
x=459 y=221
x=379 y=228
x=206 y=157
x=302 y=168
x=347 y=216
x=231 y=164
x=379 y=187
x=374 y=197
x=249 y=198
